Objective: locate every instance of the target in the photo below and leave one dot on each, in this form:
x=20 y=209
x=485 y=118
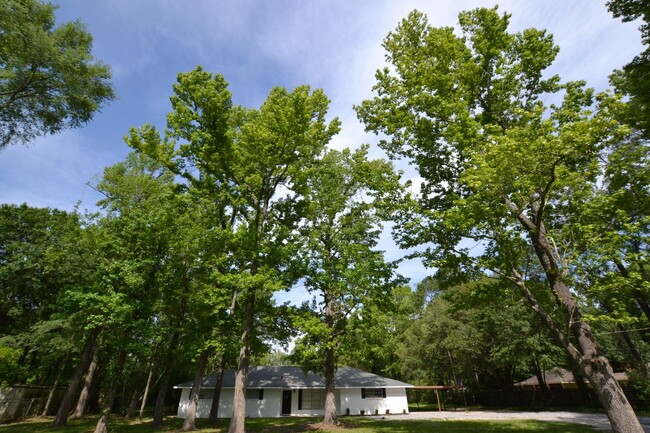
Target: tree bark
x=50 y=395
x=61 y=419
x=636 y=293
x=133 y=404
x=159 y=410
x=146 y=391
x=82 y=402
x=189 y=423
x=330 y=382
x=587 y=355
x=216 y=395
x=541 y=380
x=241 y=378
x=329 y=417
x=102 y=423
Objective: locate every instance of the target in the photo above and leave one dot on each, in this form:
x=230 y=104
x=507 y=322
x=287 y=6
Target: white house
x=286 y=391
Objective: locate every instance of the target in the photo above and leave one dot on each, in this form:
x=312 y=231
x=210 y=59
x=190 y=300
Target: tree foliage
x=251 y=164
x=634 y=78
x=502 y=168
x=49 y=81
x=344 y=270
x=479 y=335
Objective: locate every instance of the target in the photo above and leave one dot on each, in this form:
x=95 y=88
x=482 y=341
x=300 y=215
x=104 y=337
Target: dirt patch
x=340 y=426
x=310 y=427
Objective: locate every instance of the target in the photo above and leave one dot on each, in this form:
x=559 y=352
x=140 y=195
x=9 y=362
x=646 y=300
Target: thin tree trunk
x=216 y=395
x=61 y=419
x=102 y=423
x=636 y=293
x=50 y=395
x=239 y=400
x=189 y=423
x=587 y=355
x=159 y=410
x=82 y=402
x=146 y=391
x=133 y=404
x=634 y=350
x=541 y=380
x=625 y=335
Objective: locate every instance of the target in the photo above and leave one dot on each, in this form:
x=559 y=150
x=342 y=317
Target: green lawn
x=296 y=425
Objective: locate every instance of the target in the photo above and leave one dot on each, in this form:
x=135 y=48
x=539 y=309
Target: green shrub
x=9 y=369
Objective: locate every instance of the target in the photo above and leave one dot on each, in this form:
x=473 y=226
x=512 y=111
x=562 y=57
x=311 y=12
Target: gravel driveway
x=596 y=420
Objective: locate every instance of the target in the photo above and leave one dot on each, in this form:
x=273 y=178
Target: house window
x=206 y=394
x=254 y=394
x=373 y=392
x=311 y=399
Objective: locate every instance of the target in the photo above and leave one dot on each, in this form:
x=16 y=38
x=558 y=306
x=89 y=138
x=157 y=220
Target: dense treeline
x=175 y=274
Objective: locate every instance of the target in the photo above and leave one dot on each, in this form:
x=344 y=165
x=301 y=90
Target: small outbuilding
x=286 y=391
x=560 y=378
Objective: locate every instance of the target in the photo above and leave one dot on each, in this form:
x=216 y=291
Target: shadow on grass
x=437 y=426
x=309 y=425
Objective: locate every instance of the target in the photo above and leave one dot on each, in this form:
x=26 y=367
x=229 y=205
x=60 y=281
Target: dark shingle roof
x=294 y=377
x=559 y=376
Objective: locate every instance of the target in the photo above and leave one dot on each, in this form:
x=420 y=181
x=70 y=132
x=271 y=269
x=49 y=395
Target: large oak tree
x=501 y=168
x=344 y=269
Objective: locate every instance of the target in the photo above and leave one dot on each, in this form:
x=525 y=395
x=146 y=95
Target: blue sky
x=334 y=45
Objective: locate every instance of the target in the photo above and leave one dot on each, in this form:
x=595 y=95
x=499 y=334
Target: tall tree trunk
x=159 y=410
x=541 y=380
x=102 y=423
x=146 y=390
x=330 y=383
x=82 y=402
x=216 y=395
x=61 y=419
x=587 y=355
x=189 y=423
x=329 y=417
x=539 y=373
x=241 y=378
x=133 y=404
x=50 y=395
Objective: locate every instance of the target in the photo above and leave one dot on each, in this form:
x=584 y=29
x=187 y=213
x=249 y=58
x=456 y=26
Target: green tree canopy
x=49 y=81
x=502 y=168
x=344 y=269
x=251 y=164
x=634 y=78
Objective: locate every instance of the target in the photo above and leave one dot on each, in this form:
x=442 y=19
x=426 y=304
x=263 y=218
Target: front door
x=286 y=402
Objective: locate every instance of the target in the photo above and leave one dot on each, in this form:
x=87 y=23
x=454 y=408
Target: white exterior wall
x=271 y=405
x=203 y=409
x=395 y=402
